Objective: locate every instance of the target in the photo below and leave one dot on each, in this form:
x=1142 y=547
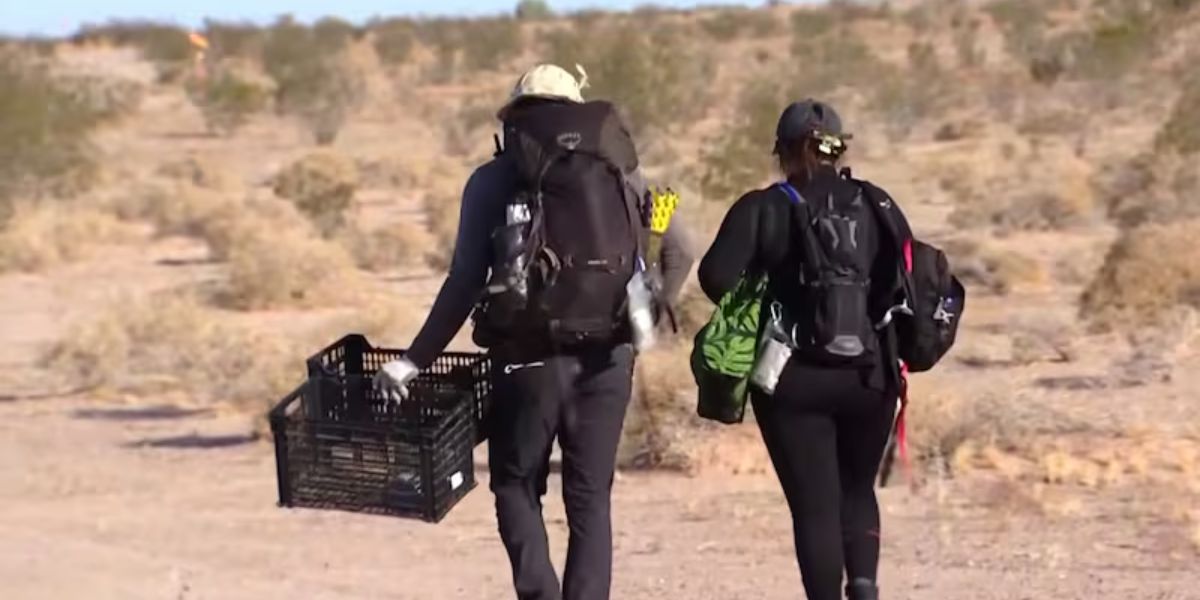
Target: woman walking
x=833 y=274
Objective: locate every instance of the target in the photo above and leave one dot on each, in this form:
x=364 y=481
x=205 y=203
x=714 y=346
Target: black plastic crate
x=354 y=356
x=340 y=445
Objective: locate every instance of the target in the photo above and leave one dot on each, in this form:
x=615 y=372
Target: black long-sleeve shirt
x=759 y=236
x=487 y=192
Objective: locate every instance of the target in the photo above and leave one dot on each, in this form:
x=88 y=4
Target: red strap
x=902 y=423
x=908 y=255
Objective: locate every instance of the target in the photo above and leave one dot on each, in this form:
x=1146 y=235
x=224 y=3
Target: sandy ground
x=133 y=502
x=126 y=499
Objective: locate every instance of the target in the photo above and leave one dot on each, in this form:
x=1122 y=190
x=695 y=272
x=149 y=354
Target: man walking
x=551 y=232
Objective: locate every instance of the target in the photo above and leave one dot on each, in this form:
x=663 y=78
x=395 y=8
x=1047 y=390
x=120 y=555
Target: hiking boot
x=862 y=589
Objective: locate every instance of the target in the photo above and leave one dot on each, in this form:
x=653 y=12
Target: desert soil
x=128 y=499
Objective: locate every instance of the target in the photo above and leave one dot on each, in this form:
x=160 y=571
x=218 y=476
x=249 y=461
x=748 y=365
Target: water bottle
x=641 y=311
x=774 y=352
x=509 y=274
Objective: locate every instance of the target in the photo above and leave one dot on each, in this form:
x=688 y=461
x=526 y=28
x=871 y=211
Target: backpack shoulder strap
x=898 y=233
x=811 y=254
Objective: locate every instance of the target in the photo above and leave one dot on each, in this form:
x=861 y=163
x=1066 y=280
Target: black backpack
x=931 y=300
x=835 y=227
x=587 y=227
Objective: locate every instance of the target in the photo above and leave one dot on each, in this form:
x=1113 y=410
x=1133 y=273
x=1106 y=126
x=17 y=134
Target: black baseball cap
x=805 y=118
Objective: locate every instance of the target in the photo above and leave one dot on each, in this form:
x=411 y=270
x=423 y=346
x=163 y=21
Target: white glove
x=392 y=379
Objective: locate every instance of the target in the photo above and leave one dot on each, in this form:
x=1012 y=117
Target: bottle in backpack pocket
x=508 y=288
x=774 y=352
x=641 y=311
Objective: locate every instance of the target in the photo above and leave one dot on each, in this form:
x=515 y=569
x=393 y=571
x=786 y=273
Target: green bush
x=234 y=40
x=45 y=124
x=227 y=101
x=534 y=10
x=316 y=84
x=333 y=33
x=658 y=77
x=394 y=40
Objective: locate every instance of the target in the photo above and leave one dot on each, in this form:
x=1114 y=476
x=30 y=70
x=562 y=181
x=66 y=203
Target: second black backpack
x=587 y=227
x=839 y=241
x=933 y=299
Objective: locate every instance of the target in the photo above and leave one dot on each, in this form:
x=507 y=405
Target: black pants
x=580 y=399
x=826 y=431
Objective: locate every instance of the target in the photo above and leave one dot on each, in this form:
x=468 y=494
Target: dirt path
x=105 y=501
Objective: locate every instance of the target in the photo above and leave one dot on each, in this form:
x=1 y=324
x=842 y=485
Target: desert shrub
x=1112 y=48
x=822 y=65
x=48 y=234
x=739 y=158
x=167 y=46
x=390 y=172
x=1041 y=210
x=317 y=84
x=948 y=424
x=813 y=23
x=227 y=101
x=462 y=133
x=906 y=100
x=658 y=77
x=660 y=412
x=272 y=267
x=442 y=218
x=1149 y=271
x=1149 y=188
x=334 y=33
x=200 y=171
x=171 y=342
x=322 y=186
x=462 y=46
x=234 y=40
x=45 y=123
x=388 y=247
x=394 y=40
x=534 y=10
x=729 y=24
x=995 y=269
x=1181 y=132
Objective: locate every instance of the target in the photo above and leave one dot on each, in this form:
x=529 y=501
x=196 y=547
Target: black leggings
x=826 y=432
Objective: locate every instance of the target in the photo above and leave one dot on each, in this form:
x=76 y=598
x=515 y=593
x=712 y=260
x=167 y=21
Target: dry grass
x=660 y=77
x=185 y=210
x=993 y=267
x=661 y=412
x=287 y=268
x=48 y=234
x=442 y=213
x=316 y=81
x=1150 y=270
x=1181 y=132
x=322 y=186
x=1149 y=188
x=172 y=342
x=45 y=125
x=388 y=247
x=947 y=425
x=228 y=100
x=202 y=171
